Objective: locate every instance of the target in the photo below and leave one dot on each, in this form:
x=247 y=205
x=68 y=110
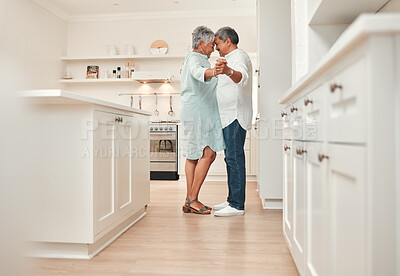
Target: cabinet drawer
x=314 y=115
x=297 y=120
x=347 y=104
x=286 y=124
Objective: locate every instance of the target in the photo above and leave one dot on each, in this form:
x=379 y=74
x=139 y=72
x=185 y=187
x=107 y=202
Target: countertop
x=365 y=25
x=58 y=96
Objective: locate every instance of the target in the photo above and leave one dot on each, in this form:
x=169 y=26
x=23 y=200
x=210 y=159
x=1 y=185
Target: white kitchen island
x=91 y=172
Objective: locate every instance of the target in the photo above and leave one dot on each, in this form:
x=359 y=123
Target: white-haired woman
x=201 y=126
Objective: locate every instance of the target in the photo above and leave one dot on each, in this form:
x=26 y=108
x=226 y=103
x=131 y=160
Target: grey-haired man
x=234 y=94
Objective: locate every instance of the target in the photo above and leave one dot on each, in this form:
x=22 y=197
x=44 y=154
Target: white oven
x=164 y=151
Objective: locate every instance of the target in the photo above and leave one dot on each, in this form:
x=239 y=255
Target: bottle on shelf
x=118 y=72
x=127 y=73
x=132 y=69
x=114 y=74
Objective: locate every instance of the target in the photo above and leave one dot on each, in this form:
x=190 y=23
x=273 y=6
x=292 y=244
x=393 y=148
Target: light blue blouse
x=200 y=120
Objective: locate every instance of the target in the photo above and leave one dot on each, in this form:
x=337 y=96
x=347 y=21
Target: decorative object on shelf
x=67 y=76
x=111 y=50
x=159 y=47
x=130 y=51
x=92 y=72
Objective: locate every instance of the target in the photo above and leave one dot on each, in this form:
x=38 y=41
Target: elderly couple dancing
x=216 y=112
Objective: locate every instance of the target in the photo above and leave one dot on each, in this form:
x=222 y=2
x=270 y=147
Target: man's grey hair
x=228 y=32
x=202 y=33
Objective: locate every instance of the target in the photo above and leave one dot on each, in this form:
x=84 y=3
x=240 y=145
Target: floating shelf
x=121 y=57
x=110 y=80
x=98 y=80
x=342 y=11
x=150 y=94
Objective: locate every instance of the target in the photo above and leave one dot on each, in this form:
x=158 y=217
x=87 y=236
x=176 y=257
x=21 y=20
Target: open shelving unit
x=76 y=60
x=110 y=80
x=120 y=57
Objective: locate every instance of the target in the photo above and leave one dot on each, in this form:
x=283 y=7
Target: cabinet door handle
x=293 y=109
x=286 y=147
x=300 y=151
x=307 y=101
x=322 y=156
x=121 y=119
x=335 y=86
x=283 y=114
x=117 y=119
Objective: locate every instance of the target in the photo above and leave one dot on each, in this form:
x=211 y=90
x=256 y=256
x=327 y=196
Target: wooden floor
x=168 y=242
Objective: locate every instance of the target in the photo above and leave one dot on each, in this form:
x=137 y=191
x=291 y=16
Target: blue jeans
x=235 y=136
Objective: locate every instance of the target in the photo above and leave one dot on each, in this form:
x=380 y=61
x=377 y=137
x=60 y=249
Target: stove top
x=165 y=122
x=163 y=128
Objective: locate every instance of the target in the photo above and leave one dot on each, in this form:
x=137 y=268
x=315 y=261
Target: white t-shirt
x=235 y=99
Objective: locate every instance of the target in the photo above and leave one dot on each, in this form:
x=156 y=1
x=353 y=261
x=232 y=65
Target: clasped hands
x=221 y=67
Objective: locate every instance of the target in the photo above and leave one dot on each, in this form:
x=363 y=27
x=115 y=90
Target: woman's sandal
x=188 y=209
x=185 y=208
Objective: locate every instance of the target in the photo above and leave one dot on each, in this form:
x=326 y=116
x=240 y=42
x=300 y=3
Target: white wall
x=275 y=79
x=37 y=39
x=92 y=38
x=299 y=42
x=310 y=42
x=391 y=6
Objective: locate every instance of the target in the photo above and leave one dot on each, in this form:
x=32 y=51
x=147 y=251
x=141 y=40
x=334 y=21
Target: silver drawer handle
x=293 y=109
x=285 y=147
x=307 y=101
x=283 y=114
x=335 y=86
x=322 y=156
x=300 y=151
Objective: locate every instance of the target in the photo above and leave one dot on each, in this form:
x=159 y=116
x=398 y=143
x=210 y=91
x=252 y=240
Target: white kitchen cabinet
x=347 y=210
x=299 y=203
x=345 y=175
x=297 y=120
x=347 y=98
x=314 y=117
x=99 y=186
x=317 y=256
x=116 y=141
x=104 y=177
x=288 y=200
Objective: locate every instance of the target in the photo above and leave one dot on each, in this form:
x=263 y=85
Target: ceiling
x=93 y=7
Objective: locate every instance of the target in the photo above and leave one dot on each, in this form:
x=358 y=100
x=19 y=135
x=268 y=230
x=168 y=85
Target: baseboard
x=82 y=250
x=249 y=178
x=272 y=203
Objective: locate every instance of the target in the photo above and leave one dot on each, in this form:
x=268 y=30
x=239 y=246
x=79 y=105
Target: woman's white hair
x=202 y=33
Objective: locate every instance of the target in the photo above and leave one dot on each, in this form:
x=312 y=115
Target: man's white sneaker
x=220 y=206
x=229 y=211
